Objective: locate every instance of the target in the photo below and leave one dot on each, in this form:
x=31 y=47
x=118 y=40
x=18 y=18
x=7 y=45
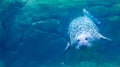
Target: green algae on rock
x=96 y=11
x=114 y=19
x=2 y=63
x=115 y=1
x=92 y=3
x=115 y=9
x=50 y=8
x=88 y=64
x=5 y=4
x=58 y=2
x=1 y=31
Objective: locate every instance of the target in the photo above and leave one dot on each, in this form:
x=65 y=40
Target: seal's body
x=83 y=31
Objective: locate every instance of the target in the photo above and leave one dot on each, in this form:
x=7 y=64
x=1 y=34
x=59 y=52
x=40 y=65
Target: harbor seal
x=83 y=31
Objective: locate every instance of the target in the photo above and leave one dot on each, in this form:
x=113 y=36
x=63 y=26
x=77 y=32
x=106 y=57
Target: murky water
x=33 y=33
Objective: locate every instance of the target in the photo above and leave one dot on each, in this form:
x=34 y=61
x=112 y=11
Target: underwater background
x=33 y=33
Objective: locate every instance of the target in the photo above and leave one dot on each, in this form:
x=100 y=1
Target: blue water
x=33 y=33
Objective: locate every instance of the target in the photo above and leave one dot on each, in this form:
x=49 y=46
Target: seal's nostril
x=83 y=46
x=78 y=39
x=86 y=38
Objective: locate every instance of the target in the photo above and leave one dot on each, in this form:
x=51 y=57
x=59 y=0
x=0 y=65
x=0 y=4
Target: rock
x=98 y=11
x=23 y=18
x=113 y=26
x=51 y=9
x=114 y=19
x=87 y=64
x=33 y=42
x=92 y=3
x=21 y=3
x=1 y=32
x=94 y=64
x=115 y=9
x=49 y=25
x=107 y=65
x=2 y=63
x=4 y=5
x=115 y=1
x=58 y=2
x=43 y=11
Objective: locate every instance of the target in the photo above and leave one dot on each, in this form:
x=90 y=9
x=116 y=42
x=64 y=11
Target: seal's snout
x=83 y=46
x=81 y=43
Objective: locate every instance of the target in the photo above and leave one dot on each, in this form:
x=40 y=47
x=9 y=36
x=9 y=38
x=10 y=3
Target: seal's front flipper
x=66 y=49
x=60 y=57
x=103 y=37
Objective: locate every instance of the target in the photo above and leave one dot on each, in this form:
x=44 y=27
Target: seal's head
x=86 y=39
x=83 y=40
